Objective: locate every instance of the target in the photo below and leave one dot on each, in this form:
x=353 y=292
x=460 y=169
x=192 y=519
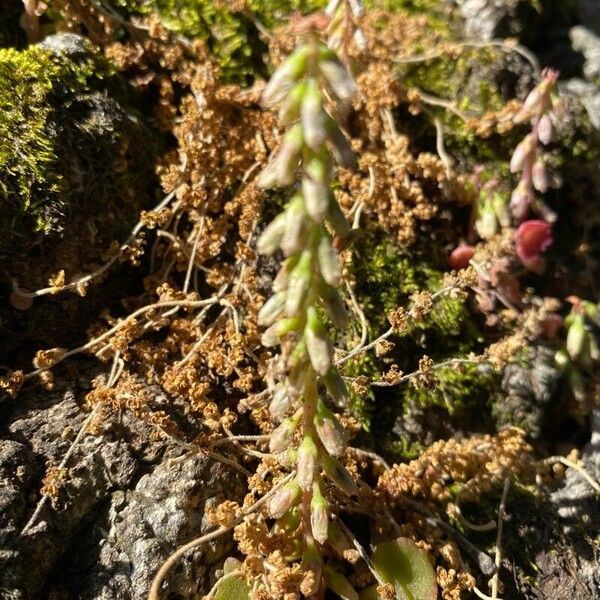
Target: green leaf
x=233 y=588
x=406 y=566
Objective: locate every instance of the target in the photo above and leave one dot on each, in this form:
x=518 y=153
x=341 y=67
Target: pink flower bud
x=308 y=463
x=522 y=151
x=532 y=238
x=545 y=129
x=282 y=436
x=539 y=176
x=284 y=499
x=460 y=257
x=319 y=515
x=520 y=200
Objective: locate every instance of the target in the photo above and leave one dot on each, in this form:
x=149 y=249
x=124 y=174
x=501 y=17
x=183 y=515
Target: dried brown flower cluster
x=478 y=463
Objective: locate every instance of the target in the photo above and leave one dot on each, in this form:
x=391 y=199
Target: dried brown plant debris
x=479 y=463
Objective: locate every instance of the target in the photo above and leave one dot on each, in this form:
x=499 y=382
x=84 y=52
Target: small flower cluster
x=490 y=210
x=581 y=351
x=527 y=157
x=305 y=290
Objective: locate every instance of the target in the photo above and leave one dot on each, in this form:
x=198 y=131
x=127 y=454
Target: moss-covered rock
x=74 y=164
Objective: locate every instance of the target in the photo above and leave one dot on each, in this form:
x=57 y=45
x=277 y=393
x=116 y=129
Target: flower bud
x=319 y=514
x=271 y=309
x=313 y=116
x=298 y=284
x=281 y=279
x=487 y=222
x=284 y=499
x=520 y=200
x=340 y=476
x=340 y=81
x=531 y=104
x=338 y=584
x=290 y=109
x=272 y=336
x=315 y=187
x=545 y=129
x=329 y=429
x=282 y=436
x=499 y=205
x=576 y=337
x=285 y=76
x=272 y=235
x=576 y=383
x=329 y=262
x=318 y=345
x=522 y=151
x=308 y=463
x=288 y=157
x=336 y=387
x=294 y=234
x=540 y=178
x=280 y=403
x=561 y=358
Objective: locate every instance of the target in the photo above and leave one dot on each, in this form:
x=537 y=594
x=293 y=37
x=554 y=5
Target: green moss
x=386 y=276
x=31 y=183
x=63 y=144
x=231 y=36
x=459 y=388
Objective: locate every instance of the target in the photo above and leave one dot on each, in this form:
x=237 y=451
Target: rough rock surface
x=126 y=501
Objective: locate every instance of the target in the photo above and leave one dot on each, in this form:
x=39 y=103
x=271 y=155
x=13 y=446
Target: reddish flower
x=460 y=257
x=533 y=238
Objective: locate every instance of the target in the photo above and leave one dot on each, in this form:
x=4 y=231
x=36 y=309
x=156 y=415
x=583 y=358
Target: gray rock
x=576 y=501
x=126 y=503
x=72 y=45
x=587 y=42
x=589 y=95
x=528 y=391
x=483 y=17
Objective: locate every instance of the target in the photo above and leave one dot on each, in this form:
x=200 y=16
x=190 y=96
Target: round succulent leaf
x=406 y=566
